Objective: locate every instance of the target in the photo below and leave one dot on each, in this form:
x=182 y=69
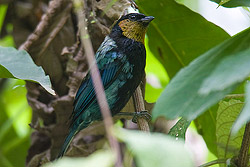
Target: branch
x=139 y=106
x=95 y=75
x=243 y=157
x=44 y=23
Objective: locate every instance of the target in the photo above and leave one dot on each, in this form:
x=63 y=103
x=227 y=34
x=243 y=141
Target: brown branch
x=95 y=75
x=243 y=157
x=56 y=30
x=43 y=24
x=140 y=106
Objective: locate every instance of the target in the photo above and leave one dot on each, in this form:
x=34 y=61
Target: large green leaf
x=228 y=145
x=18 y=64
x=155 y=149
x=232 y=3
x=245 y=114
x=183 y=97
x=178 y=35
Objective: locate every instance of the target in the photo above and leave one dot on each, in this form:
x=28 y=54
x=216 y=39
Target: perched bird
x=121 y=61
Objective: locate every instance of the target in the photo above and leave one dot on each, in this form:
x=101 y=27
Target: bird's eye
x=132 y=17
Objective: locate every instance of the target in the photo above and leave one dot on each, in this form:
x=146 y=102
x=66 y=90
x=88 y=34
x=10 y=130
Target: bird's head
x=133 y=26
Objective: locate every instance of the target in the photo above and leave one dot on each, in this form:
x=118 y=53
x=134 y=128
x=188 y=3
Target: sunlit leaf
x=18 y=64
x=228 y=145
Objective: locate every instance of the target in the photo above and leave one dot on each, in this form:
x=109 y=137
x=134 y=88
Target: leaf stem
x=243 y=157
x=217 y=161
x=94 y=72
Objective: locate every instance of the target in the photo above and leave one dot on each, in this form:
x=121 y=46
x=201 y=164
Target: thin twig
x=95 y=75
x=56 y=30
x=217 y=161
x=139 y=106
x=44 y=23
x=243 y=158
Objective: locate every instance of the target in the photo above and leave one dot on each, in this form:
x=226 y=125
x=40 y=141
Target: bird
x=121 y=60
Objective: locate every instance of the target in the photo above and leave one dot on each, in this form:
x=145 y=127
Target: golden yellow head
x=134 y=26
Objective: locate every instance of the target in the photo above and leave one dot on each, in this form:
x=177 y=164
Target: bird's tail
x=67 y=142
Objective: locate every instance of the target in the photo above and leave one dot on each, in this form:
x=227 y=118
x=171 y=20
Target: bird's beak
x=147 y=19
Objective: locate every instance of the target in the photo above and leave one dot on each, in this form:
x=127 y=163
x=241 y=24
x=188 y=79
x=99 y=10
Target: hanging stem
x=243 y=157
x=95 y=75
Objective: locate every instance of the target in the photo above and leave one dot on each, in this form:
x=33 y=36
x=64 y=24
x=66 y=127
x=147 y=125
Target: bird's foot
x=141 y=114
x=136 y=115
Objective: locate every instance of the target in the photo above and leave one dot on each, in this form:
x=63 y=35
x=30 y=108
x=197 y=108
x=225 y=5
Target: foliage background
x=176 y=37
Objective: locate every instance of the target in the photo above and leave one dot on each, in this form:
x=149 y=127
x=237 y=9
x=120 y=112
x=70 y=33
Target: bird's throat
x=133 y=30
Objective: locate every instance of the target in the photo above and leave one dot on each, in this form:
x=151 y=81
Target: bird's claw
x=141 y=114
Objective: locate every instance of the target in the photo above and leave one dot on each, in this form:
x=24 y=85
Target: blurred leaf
x=179 y=129
x=7 y=41
x=17 y=108
x=16 y=150
x=178 y=35
x=3 y=10
x=232 y=3
x=227 y=144
x=182 y=95
x=155 y=149
x=245 y=113
x=18 y=64
x=13 y=147
x=99 y=158
x=152 y=93
x=233 y=69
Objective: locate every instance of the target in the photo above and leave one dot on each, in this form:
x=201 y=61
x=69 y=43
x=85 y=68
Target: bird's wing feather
x=109 y=67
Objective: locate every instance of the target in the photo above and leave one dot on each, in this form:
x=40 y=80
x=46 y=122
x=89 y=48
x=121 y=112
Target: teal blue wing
x=109 y=67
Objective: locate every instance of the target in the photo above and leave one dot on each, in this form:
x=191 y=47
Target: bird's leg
x=144 y=114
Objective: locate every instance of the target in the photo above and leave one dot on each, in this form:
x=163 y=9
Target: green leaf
x=155 y=149
x=232 y=3
x=13 y=147
x=206 y=126
x=179 y=129
x=245 y=114
x=228 y=145
x=178 y=35
x=99 y=158
x=18 y=64
x=182 y=95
